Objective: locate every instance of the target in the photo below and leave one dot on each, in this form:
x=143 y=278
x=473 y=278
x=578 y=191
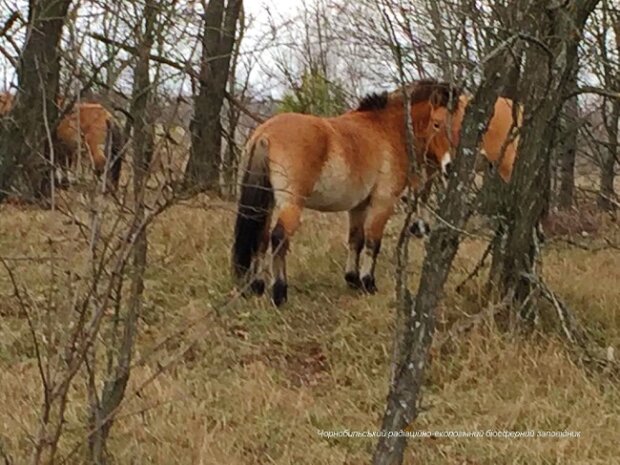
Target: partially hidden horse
x=355 y=162
x=499 y=145
x=6 y=103
x=500 y=141
x=86 y=128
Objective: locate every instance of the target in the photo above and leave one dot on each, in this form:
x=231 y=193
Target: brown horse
x=355 y=162
x=499 y=145
x=89 y=127
x=6 y=103
x=500 y=141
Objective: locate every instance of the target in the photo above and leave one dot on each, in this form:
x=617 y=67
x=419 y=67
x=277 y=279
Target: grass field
x=254 y=385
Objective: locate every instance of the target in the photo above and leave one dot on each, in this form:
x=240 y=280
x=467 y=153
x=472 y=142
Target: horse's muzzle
x=446 y=164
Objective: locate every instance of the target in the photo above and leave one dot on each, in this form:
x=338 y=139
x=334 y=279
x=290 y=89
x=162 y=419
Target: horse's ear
x=435 y=99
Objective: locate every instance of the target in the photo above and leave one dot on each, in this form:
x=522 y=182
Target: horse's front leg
x=377 y=216
x=420 y=226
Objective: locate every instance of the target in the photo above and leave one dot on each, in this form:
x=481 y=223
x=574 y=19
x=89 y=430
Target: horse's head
x=444 y=130
x=431 y=111
x=441 y=133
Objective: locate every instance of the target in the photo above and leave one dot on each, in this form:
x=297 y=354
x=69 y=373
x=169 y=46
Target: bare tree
x=26 y=139
x=416 y=314
x=104 y=406
x=566 y=142
x=218 y=38
x=609 y=24
x=237 y=90
x=554 y=35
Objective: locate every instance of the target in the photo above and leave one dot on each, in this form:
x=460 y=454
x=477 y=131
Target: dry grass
x=254 y=385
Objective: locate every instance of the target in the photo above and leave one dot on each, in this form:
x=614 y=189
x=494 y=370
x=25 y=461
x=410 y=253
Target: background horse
x=87 y=128
x=355 y=162
x=500 y=141
x=6 y=103
x=91 y=128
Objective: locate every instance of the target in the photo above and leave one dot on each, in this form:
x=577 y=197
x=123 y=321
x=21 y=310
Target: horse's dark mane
x=426 y=88
x=419 y=91
x=373 y=102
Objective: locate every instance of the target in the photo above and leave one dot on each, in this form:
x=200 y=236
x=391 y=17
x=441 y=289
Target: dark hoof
x=353 y=280
x=258 y=287
x=279 y=293
x=63 y=182
x=406 y=200
x=368 y=284
x=420 y=228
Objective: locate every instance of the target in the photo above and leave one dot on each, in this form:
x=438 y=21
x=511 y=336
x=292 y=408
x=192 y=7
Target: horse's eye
x=436 y=125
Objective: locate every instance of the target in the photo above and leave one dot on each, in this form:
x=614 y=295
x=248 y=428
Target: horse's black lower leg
x=420 y=227
x=279 y=246
x=257 y=280
x=353 y=279
x=356 y=244
x=258 y=286
x=254 y=285
x=371 y=250
x=115 y=170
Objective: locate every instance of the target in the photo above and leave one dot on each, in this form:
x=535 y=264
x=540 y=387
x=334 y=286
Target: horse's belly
x=338 y=189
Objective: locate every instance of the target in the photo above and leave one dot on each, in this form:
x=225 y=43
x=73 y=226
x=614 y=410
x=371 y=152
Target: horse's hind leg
x=289 y=219
x=356 y=244
x=377 y=216
x=62 y=165
x=259 y=270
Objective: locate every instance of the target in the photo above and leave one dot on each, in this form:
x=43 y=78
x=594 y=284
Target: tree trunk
x=607 y=196
x=544 y=90
x=567 y=145
x=217 y=45
x=230 y=158
x=492 y=197
x=610 y=20
x=26 y=139
x=416 y=320
x=566 y=194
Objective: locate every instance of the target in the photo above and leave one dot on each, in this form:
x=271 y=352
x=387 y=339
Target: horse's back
x=318 y=160
x=6 y=103
x=498 y=142
x=91 y=117
x=86 y=123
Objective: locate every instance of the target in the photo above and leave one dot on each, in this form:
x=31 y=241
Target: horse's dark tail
x=115 y=143
x=254 y=209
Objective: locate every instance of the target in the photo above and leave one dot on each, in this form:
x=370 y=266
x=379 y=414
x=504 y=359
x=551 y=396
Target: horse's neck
x=460 y=111
x=391 y=121
x=394 y=122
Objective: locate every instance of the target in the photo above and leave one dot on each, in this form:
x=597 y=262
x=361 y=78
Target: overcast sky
x=261 y=10
x=257 y=7
x=263 y=13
